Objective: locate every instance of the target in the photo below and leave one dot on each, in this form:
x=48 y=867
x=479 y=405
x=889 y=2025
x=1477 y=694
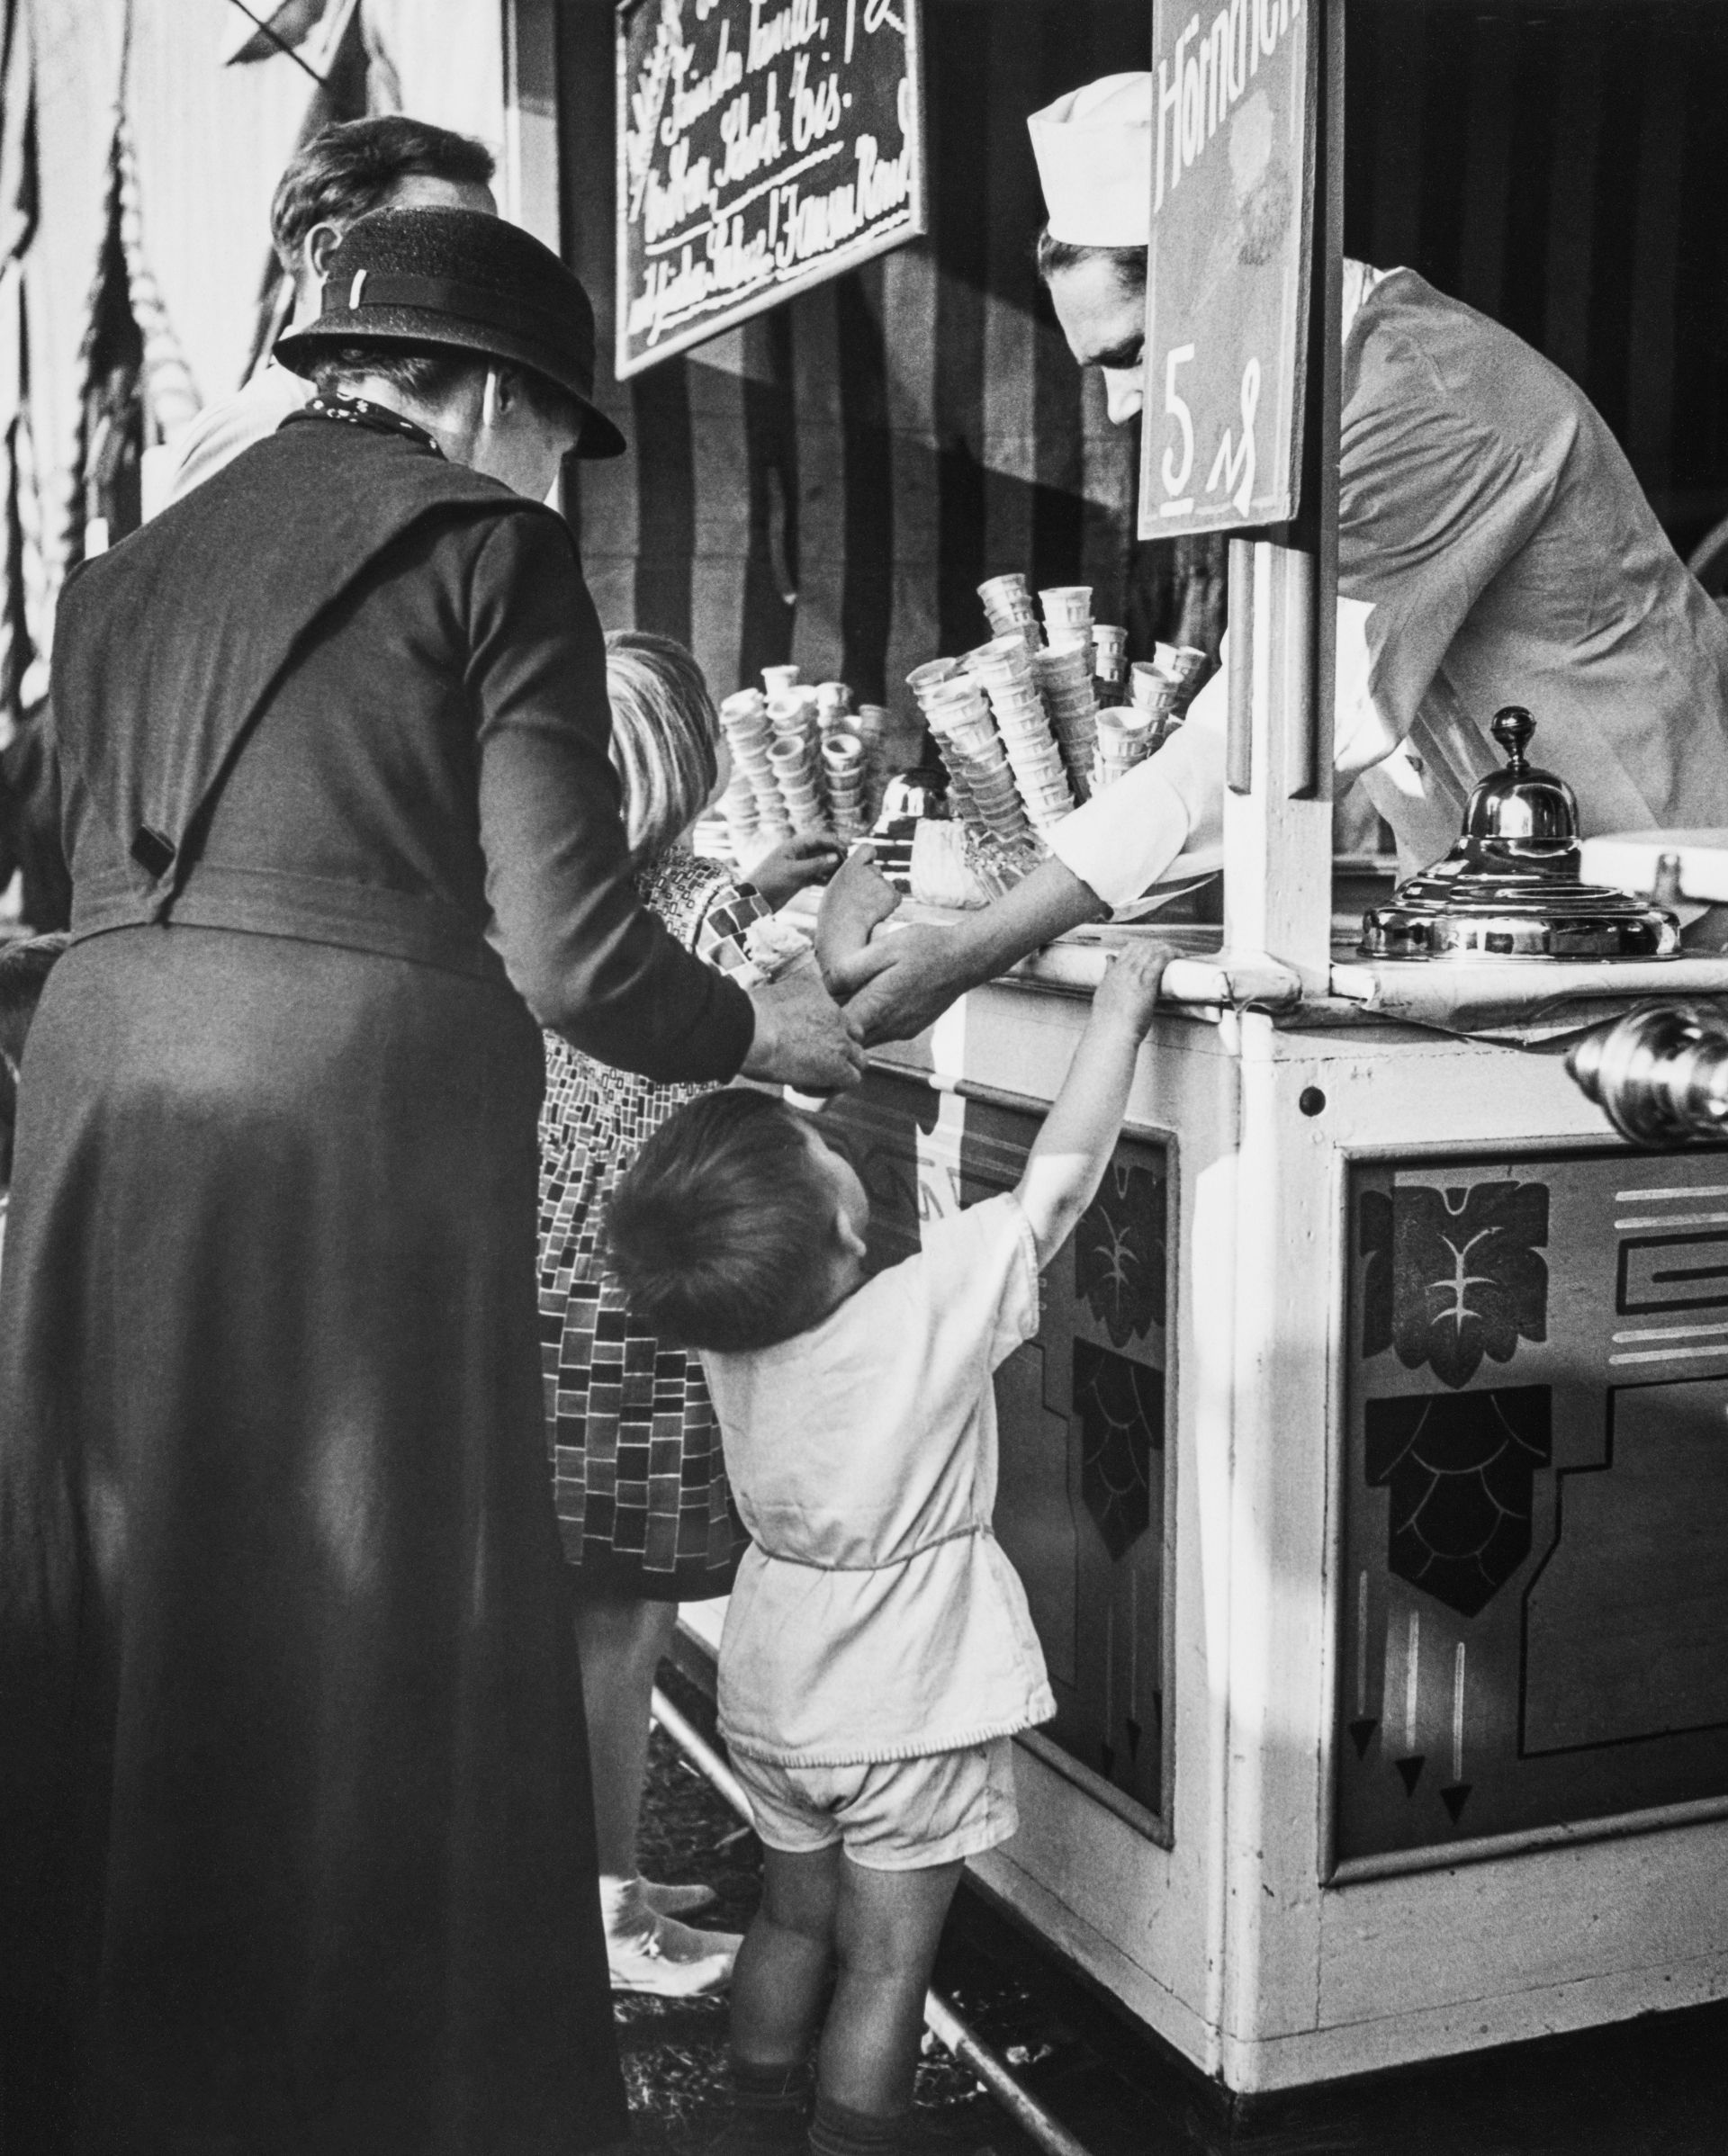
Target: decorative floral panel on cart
x=1082 y=1500
x=1534 y=1601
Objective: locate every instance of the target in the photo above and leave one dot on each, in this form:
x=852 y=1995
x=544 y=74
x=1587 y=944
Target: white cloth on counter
x=875 y=1616
x=1494 y=547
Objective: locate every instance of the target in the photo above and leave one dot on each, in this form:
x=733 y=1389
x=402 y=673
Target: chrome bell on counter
x=1510 y=887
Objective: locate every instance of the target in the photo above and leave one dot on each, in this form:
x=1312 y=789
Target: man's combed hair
x=718 y=1231
x=354 y=166
x=1055 y=254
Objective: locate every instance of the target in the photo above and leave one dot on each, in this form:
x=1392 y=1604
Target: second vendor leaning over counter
x=1494 y=547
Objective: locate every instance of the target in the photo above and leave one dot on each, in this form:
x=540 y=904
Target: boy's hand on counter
x=857 y=901
x=787 y=868
x=1128 y=995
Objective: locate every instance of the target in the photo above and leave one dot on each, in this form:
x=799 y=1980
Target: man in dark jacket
x=293 y=1791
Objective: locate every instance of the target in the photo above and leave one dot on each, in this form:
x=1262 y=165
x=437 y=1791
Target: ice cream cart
x=1368 y=1477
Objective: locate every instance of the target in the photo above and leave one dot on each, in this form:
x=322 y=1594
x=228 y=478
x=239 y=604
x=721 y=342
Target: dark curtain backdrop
x=830 y=482
x=1562 y=167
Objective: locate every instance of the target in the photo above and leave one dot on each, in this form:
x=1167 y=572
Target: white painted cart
x=1370 y=1481
x=1369 y=1477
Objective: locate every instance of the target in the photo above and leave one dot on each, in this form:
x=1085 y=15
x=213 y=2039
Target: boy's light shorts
x=890 y=1815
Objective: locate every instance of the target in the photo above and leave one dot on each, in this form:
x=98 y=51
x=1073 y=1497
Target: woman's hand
x=786 y=868
x=802 y=1037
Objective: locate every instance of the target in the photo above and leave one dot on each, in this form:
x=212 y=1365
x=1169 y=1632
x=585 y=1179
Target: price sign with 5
x=1231 y=474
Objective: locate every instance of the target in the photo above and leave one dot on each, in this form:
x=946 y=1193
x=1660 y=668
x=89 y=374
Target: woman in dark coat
x=297 y=1839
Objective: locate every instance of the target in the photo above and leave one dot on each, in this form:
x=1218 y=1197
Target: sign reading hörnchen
x=1227 y=288
x=763 y=145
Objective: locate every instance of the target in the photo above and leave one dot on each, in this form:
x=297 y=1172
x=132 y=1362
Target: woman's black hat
x=458 y=277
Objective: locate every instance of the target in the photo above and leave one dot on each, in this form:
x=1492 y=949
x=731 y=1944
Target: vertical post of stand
x=1278 y=805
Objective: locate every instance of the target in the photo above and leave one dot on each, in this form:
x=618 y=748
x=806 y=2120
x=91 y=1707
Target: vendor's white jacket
x=1494 y=547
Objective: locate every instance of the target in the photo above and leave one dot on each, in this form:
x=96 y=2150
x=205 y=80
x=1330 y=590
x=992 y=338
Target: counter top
x=1520 y=1000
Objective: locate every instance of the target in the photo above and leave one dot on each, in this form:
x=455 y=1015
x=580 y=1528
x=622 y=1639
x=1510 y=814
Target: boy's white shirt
x=874 y=1616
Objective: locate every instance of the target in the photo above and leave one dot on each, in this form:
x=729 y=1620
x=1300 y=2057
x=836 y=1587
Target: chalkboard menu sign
x=763 y=145
x=1228 y=269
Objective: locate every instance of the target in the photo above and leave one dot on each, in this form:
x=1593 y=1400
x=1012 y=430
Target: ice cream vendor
x=1494 y=547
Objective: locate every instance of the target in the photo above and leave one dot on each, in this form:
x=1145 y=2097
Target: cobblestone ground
x=1652 y=2088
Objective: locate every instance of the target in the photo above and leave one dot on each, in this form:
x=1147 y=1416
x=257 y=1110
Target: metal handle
x=1659 y=1074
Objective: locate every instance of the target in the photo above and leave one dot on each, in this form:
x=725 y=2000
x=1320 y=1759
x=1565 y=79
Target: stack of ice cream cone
x=739 y=814
x=981 y=785
x=1067 y=620
x=1009 y=609
x=1004 y=668
x=843 y=773
x=1110 y=661
x=795 y=760
x=1184 y=662
x=1064 y=678
x=1157 y=694
x=750 y=740
x=1125 y=737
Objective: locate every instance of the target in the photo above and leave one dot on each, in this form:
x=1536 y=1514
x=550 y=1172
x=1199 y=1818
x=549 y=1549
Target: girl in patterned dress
x=637 y=1473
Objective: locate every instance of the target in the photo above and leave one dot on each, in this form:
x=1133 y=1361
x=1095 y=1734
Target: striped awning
x=829 y=483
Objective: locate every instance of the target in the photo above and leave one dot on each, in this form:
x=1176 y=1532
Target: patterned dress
x=638 y=1478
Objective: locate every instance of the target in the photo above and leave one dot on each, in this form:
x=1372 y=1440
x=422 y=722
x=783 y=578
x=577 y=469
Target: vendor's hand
x=803 y=1038
x=1128 y=995
x=788 y=867
x=901 y=983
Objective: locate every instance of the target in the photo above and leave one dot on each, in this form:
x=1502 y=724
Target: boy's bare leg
x=887 y=1927
x=782 y=1968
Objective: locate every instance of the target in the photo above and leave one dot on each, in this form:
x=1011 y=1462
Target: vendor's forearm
x=1035 y=912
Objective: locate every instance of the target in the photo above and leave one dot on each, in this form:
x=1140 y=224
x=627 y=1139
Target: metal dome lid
x=1522 y=808
x=1510 y=888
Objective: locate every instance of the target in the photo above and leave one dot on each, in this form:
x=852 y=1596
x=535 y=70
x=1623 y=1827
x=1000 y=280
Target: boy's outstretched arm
x=1070 y=1153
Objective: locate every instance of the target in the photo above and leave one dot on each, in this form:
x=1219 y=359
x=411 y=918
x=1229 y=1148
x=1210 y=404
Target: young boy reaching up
x=878 y=1654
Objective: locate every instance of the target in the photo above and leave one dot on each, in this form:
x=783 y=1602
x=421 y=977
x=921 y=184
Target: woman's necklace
x=360 y=411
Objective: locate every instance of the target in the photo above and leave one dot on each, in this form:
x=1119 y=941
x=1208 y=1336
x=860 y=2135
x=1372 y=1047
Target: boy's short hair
x=355 y=165
x=716 y=1231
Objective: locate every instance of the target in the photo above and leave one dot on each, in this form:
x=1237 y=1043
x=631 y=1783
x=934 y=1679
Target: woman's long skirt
x=296 y=1849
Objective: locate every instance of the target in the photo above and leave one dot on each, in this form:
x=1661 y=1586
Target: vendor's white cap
x=1094 y=162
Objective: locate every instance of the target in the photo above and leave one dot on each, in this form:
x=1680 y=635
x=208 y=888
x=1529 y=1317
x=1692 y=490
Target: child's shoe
x=837 y=2130
x=677 y=1900
x=770 y=2111
x=646 y=1952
